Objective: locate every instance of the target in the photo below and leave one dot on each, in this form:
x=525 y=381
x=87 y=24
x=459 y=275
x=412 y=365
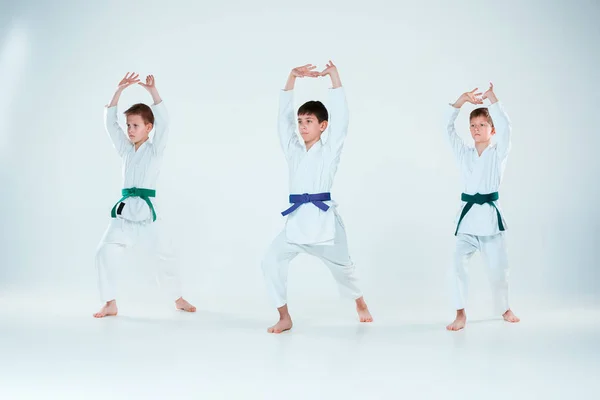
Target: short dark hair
x=143 y=111
x=315 y=108
x=482 y=112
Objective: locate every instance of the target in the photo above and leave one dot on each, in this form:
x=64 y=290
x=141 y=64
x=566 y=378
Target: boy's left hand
x=329 y=69
x=149 y=85
x=489 y=94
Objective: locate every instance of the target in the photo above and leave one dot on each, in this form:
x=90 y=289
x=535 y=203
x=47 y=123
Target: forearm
x=289 y=85
x=459 y=103
x=155 y=96
x=492 y=97
x=115 y=99
x=336 y=82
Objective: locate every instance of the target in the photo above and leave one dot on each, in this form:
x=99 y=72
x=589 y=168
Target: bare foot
x=460 y=321
x=183 y=305
x=510 y=317
x=109 y=310
x=285 y=321
x=282 y=326
x=363 y=311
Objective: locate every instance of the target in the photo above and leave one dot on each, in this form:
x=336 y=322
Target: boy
x=313 y=225
x=480 y=225
x=134 y=216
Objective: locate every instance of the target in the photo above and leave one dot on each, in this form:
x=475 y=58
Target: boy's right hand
x=468 y=97
x=305 y=70
x=128 y=80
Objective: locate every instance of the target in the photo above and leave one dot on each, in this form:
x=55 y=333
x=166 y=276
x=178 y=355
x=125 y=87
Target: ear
x=324 y=125
x=493 y=131
x=149 y=127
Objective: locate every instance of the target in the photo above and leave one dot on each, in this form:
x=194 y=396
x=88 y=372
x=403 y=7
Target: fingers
x=474 y=98
x=305 y=67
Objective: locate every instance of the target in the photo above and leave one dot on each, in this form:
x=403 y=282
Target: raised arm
x=161 y=118
x=286 y=124
x=502 y=124
x=338 y=108
x=111 y=121
x=456 y=143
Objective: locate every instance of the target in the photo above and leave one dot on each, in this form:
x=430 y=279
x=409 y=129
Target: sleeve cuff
x=159 y=106
x=110 y=111
x=495 y=109
x=451 y=111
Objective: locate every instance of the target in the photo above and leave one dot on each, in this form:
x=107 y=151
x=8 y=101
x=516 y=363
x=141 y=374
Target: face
x=481 y=130
x=137 y=130
x=310 y=128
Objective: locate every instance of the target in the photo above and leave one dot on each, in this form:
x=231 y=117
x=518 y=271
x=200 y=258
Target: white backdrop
x=219 y=67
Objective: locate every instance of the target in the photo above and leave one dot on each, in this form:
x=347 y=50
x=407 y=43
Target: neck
x=311 y=143
x=141 y=142
x=481 y=146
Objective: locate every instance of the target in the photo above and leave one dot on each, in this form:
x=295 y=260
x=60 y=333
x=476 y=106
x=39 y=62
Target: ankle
x=360 y=303
x=461 y=313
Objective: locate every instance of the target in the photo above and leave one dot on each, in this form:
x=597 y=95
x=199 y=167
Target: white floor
x=51 y=348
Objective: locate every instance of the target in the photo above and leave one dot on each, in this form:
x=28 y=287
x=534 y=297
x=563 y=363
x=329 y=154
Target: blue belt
x=299 y=199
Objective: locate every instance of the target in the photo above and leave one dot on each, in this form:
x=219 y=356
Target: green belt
x=144 y=194
x=479 y=199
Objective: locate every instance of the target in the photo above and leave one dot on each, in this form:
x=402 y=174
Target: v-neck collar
x=317 y=143
x=483 y=152
x=141 y=145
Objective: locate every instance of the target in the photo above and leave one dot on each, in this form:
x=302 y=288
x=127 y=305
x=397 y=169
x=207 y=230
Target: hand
x=128 y=80
x=469 y=97
x=149 y=85
x=330 y=68
x=305 y=70
x=489 y=94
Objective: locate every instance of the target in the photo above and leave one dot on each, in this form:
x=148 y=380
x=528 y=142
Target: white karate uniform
x=134 y=225
x=479 y=228
x=310 y=229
